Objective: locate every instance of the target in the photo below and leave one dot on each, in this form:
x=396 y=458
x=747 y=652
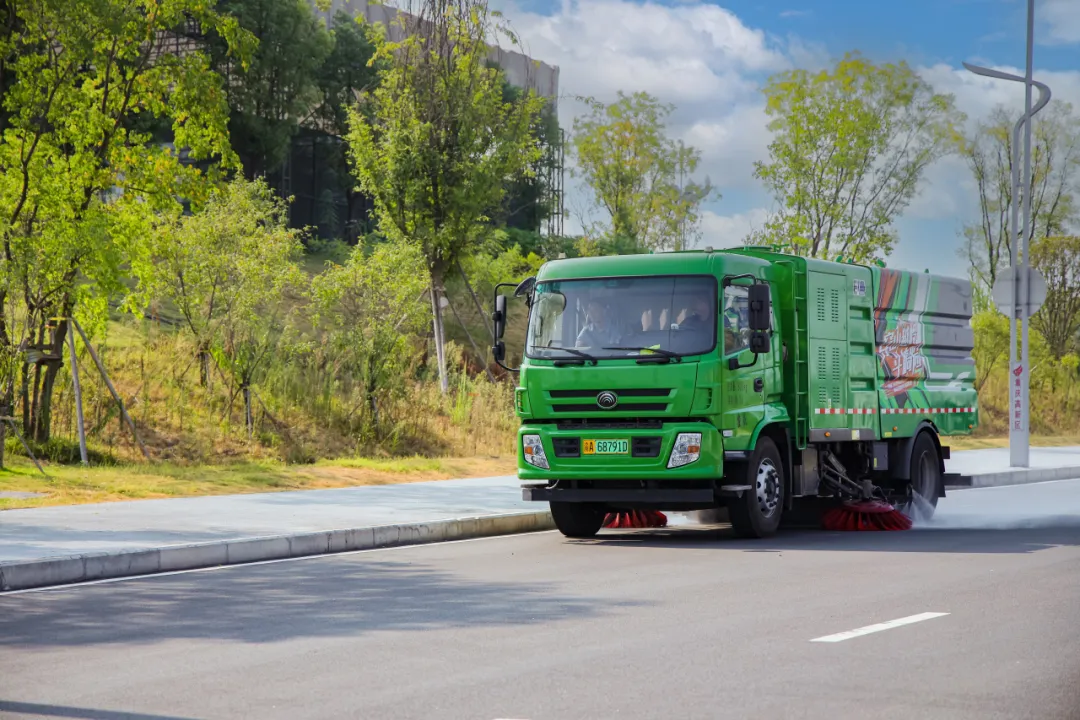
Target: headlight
x=534 y=451
x=687 y=449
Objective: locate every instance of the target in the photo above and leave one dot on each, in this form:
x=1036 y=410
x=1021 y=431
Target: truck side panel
x=843 y=372
x=925 y=369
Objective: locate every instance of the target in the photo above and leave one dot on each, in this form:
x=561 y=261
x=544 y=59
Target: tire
x=925 y=477
x=758 y=512
x=577 y=520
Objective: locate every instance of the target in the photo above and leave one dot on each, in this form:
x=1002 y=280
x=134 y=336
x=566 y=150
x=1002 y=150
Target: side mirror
x=759 y=342
x=498 y=351
x=525 y=286
x=759 y=307
x=498 y=317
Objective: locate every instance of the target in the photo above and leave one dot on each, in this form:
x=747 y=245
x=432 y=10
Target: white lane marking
x=858 y=632
x=237 y=566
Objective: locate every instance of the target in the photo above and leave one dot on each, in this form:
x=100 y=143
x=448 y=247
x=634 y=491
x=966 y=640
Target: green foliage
x=850 y=147
x=435 y=144
x=346 y=73
x=87 y=85
x=226 y=269
x=370 y=308
x=1058 y=260
x=438 y=143
x=1055 y=179
x=991 y=344
x=530 y=198
x=638 y=174
x=278 y=88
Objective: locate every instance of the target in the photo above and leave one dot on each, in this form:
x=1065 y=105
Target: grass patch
x=73 y=485
x=961 y=442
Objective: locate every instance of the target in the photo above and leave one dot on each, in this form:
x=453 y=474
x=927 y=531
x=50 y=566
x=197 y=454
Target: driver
x=734 y=325
x=598 y=331
x=700 y=315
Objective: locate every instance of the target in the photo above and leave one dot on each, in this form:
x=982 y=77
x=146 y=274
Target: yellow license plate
x=605 y=447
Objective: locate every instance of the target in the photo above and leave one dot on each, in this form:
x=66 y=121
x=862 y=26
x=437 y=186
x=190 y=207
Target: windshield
x=669 y=314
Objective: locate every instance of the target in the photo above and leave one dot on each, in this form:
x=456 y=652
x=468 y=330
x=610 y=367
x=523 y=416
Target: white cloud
x=977 y=96
x=711 y=66
x=795 y=13
x=721 y=231
x=949 y=193
x=1062 y=20
x=699 y=57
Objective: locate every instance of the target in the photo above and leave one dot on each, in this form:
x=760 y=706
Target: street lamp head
x=991 y=73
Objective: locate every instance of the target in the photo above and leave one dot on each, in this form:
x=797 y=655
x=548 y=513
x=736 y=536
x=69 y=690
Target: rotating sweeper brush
x=862 y=511
x=635 y=519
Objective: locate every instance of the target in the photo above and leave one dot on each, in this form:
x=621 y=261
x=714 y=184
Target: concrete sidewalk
x=74 y=543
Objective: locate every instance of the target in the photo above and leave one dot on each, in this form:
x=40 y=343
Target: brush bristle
x=635 y=519
x=868 y=515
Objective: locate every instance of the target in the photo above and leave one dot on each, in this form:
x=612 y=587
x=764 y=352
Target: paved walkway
x=133 y=525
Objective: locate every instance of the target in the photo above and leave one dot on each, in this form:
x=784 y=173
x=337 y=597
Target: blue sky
x=711 y=58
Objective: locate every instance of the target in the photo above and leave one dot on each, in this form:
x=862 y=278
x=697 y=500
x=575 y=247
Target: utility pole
x=1020 y=287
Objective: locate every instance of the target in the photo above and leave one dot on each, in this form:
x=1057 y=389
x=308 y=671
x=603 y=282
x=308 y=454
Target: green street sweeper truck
x=748 y=379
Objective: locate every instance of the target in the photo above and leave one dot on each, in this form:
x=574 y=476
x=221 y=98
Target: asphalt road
x=681 y=623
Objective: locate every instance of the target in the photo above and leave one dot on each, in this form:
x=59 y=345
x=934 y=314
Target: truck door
x=748 y=377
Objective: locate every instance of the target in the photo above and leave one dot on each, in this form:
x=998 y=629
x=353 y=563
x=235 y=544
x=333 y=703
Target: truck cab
x=676 y=381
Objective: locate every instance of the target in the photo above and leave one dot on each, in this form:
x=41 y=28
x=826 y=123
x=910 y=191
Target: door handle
x=759 y=384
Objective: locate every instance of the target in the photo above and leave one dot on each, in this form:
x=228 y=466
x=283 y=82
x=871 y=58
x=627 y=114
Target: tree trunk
x=24 y=392
x=249 y=423
x=204 y=369
x=437 y=326
x=43 y=421
x=5 y=409
x=42 y=411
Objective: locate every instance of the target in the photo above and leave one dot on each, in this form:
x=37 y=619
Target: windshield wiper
x=664 y=355
x=572 y=351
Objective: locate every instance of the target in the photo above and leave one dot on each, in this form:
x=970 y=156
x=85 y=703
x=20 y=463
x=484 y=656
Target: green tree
x=530 y=198
x=850 y=147
x=345 y=74
x=370 y=308
x=639 y=175
x=228 y=269
x=1055 y=180
x=1058 y=260
x=435 y=145
x=80 y=176
x=278 y=89
x=991 y=330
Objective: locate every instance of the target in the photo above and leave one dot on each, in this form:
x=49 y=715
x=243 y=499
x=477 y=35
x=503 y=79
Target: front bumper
x=623 y=480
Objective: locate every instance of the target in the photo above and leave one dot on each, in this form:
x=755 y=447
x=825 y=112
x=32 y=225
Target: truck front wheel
x=577 y=520
x=757 y=513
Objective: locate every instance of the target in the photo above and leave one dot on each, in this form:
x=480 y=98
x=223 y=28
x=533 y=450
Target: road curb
x=1018 y=476
x=102 y=566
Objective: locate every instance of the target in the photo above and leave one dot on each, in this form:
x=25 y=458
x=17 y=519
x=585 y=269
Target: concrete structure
x=521 y=70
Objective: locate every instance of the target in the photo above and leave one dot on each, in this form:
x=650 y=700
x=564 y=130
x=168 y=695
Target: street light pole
x=1020 y=455
x=1019 y=252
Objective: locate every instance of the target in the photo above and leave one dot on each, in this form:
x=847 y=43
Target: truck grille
x=605 y=424
x=630 y=392
x=630 y=400
x=625 y=407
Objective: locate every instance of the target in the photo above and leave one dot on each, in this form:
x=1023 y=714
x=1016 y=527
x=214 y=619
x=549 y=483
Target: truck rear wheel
x=925 y=478
x=577 y=520
x=757 y=513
